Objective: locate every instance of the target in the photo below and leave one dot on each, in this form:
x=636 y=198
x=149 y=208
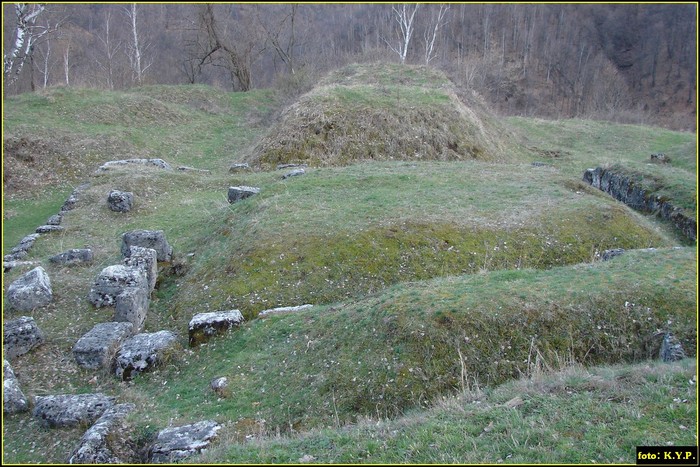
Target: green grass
x=410 y=345
x=575 y=415
x=424 y=273
x=586 y=144
x=22 y=216
x=70 y=132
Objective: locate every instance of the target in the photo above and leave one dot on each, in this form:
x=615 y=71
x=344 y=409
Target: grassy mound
x=341 y=233
x=414 y=343
x=382 y=112
x=58 y=137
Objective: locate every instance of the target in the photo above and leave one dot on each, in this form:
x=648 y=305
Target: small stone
x=293 y=173
x=55 y=220
x=610 y=254
x=72 y=257
x=237 y=193
x=239 y=167
x=220 y=386
x=671 y=349
x=48 y=228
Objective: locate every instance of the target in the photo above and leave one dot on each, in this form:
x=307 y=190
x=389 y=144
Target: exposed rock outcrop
x=13 y=399
x=177 y=443
x=32 y=290
x=624 y=189
x=97 y=348
x=66 y=410
x=20 y=336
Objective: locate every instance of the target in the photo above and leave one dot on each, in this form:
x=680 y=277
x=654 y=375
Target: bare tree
x=404 y=16
x=26 y=34
x=45 y=61
x=237 y=56
x=282 y=36
x=431 y=31
x=111 y=47
x=137 y=48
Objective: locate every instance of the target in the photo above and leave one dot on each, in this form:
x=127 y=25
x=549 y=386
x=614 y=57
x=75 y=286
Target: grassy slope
x=582 y=144
x=339 y=234
x=573 y=416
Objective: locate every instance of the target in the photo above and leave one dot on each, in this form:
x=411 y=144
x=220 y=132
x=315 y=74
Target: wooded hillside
x=626 y=62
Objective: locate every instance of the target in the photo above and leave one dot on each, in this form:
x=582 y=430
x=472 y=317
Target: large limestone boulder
x=177 y=443
x=20 y=336
x=120 y=201
x=147 y=239
x=73 y=256
x=32 y=290
x=67 y=410
x=132 y=306
x=112 y=281
x=97 y=348
x=206 y=325
x=144 y=351
x=105 y=441
x=13 y=399
x=146 y=259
